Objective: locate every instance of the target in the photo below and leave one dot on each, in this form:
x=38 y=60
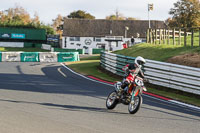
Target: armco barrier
x=39 y=56
x=159 y=73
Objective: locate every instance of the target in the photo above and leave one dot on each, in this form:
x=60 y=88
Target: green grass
x=187 y=98
x=94 y=57
x=157 y=52
x=7 y=49
x=90 y=66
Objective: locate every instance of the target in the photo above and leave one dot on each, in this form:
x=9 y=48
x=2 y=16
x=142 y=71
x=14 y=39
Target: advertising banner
x=68 y=56
x=30 y=57
x=5 y=35
x=12 y=44
x=17 y=36
x=46 y=47
x=11 y=56
x=48 y=57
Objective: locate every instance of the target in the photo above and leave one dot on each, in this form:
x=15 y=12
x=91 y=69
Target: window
x=97 y=39
x=74 y=38
x=77 y=39
x=71 y=38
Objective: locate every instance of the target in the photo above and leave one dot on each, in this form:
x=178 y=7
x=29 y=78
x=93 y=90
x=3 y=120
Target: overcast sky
x=49 y=9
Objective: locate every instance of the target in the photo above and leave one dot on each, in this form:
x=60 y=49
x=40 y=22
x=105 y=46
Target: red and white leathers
x=131 y=70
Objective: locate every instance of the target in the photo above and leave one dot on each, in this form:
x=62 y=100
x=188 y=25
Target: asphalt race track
x=48 y=98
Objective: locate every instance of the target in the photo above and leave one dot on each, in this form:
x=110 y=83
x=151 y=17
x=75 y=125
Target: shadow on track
x=54 y=82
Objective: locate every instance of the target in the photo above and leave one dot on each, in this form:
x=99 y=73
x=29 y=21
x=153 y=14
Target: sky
x=49 y=9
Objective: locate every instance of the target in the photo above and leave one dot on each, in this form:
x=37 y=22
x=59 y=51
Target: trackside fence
x=169 y=75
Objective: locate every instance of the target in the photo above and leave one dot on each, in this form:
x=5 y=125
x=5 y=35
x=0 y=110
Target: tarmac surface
x=48 y=98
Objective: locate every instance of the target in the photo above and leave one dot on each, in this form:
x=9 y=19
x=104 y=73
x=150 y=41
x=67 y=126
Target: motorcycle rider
x=132 y=70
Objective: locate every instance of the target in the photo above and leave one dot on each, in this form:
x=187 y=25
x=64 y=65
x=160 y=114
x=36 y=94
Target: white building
x=107 y=34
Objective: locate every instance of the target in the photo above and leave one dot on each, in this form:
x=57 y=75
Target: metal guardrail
x=159 y=73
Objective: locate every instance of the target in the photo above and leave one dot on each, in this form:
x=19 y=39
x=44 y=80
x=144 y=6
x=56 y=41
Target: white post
x=149 y=19
x=150 y=7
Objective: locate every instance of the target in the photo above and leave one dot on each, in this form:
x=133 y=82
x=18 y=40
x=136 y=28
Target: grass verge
x=90 y=66
x=157 y=52
x=7 y=49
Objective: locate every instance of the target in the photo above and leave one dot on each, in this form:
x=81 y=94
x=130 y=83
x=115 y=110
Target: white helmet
x=139 y=61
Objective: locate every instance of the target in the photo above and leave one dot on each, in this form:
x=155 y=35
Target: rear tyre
x=133 y=107
x=112 y=100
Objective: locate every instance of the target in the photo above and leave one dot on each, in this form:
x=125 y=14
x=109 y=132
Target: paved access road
x=48 y=98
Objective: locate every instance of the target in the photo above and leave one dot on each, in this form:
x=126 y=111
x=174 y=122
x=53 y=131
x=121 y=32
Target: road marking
x=59 y=70
x=83 y=75
x=168 y=101
x=184 y=104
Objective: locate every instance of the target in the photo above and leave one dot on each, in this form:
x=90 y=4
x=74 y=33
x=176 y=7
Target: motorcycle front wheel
x=134 y=106
x=112 y=100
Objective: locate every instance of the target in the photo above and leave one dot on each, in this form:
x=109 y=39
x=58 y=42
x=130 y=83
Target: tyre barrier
x=39 y=56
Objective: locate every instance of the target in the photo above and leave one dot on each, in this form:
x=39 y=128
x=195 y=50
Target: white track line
x=168 y=101
x=59 y=70
x=84 y=76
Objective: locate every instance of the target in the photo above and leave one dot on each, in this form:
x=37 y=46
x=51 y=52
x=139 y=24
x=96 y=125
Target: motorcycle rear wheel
x=133 y=107
x=112 y=100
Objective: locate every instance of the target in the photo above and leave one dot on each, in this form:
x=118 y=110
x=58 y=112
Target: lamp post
x=150 y=8
x=126 y=29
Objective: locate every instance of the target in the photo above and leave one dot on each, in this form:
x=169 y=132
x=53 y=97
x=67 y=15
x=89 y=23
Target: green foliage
x=19 y=17
x=186 y=13
x=80 y=14
x=48 y=28
x=114 y=17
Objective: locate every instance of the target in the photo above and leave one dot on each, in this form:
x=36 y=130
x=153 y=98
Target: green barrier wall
x=30 y=33
x=97 y=51
x=30 y=57
x=68 y=56
x=28 y=44
x=31 y=44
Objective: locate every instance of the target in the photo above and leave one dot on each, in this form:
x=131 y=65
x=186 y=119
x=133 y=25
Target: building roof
x=103 y=27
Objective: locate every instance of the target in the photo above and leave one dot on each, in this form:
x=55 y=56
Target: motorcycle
x=131 y=96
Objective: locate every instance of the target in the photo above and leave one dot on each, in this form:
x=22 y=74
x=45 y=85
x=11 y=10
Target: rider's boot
x=122 y=88
x=120 y=91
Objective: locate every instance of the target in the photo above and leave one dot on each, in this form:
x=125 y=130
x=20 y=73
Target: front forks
x=134 y=93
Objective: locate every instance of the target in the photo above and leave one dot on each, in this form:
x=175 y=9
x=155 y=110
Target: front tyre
x=135 y=105
x=112 y=100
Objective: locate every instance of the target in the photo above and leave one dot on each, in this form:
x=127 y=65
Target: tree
x=116 y=16
x=80 y=14
x=57 y=24
x=19 y=17
x=48 y=28
x=186 y=13
x=119 y=16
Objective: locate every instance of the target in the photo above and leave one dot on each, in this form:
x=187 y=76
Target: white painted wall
x=90 y=43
